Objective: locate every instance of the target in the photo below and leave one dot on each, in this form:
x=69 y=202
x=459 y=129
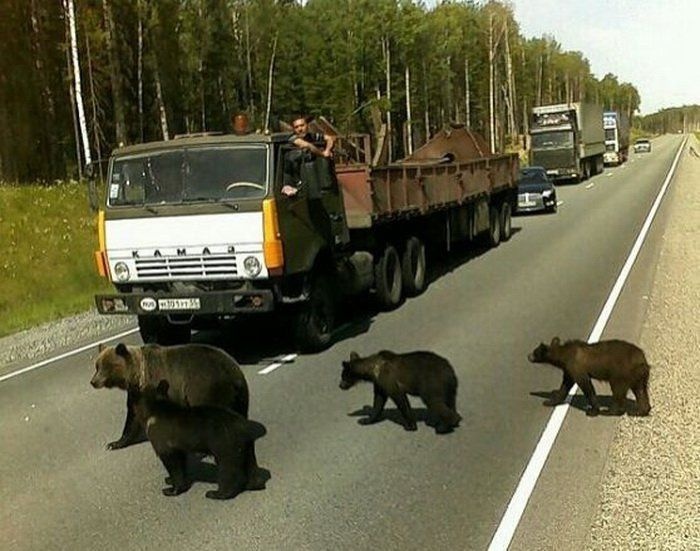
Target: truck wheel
x=413 y=267
x=158 y=330
x=313 y=328
x=387 y=278
x=494 y=237
x=505 y=221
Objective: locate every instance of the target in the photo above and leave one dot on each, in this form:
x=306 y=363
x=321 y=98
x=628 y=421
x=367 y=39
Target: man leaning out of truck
x=303 y=139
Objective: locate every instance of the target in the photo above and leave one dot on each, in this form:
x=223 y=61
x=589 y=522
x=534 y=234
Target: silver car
x=642 y=145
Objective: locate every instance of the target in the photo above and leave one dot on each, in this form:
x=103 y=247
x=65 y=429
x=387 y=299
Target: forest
x=80 y=77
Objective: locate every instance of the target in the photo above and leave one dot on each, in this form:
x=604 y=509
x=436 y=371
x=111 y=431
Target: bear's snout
x=97 y=382
x=344 y=385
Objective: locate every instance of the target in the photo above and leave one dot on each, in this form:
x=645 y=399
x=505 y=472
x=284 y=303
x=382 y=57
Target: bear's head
x=543 y=353
x=350 y=375
x=114 y=367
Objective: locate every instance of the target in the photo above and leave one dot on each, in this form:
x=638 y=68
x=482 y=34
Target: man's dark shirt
x=293 y=158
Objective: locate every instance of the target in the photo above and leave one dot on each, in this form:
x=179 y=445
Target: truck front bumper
x=215 y=302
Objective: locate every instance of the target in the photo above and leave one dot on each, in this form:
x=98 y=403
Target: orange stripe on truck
x=101 y=254
x=272 y=245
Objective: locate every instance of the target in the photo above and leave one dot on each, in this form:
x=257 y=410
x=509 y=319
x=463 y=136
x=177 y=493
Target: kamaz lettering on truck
x=196 y=230
x=567 y=139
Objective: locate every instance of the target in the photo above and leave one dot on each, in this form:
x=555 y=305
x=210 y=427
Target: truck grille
x=183 y=267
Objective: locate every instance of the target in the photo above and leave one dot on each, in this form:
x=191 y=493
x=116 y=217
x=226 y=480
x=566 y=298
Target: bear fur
x=197 y=375
x=174 y=431
x=618 y=362
x=423 y=374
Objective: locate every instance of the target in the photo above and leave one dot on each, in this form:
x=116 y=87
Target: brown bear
x=197 y=375
x=423 y=374
x=620 y=363
x=174 y=431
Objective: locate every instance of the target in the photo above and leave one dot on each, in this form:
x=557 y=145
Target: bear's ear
x=555 y=341
x=354 y=356
x=122 y=350
x=101 y=347
x=162 y=387
x=345 y=364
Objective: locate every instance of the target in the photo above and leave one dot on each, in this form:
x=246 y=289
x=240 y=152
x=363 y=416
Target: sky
x=652 y=44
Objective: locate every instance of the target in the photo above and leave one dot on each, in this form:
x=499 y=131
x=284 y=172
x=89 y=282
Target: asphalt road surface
x=334 y=483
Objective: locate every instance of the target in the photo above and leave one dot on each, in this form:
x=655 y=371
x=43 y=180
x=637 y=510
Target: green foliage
x=46 y=254
x=212 y=58
x=676 y=119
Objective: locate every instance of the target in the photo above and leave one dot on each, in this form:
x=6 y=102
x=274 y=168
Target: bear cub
x=423 y=374
x=197 y=375
x=618 y=362
x=174 y=431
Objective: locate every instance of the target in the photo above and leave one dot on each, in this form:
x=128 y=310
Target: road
x=334 y=483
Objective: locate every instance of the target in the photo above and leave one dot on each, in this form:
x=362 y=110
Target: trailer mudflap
x=215 y=302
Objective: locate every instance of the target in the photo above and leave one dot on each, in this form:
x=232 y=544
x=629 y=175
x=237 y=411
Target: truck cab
x=196 y=227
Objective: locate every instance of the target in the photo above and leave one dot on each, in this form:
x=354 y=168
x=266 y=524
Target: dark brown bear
x=197 y=375
x=174 y=431
x=394 y=376
x=620 y=363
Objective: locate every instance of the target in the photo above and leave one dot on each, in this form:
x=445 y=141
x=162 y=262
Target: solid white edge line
x=511 y=519
x=589 y=186
x=65 y=355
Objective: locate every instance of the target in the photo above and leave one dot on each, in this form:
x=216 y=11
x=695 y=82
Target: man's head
x=300 y=126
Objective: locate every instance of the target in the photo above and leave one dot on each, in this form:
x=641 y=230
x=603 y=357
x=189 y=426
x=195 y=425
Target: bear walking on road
x=197 y=375
x=174 y=431
x=618 y=362
x=423 y=374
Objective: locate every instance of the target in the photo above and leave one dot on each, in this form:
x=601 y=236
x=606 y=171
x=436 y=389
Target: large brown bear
x=423 y=374
x=620 y=363
x=197 y=374
x=174 y=431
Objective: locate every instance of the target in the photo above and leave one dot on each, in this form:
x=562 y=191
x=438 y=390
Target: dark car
x=536 y=191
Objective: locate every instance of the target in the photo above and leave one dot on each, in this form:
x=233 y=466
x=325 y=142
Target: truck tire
x=506 y=221
x=387 y=279
x=494 y=235
x=158 y=330
x=315 y=319
x=413 y=267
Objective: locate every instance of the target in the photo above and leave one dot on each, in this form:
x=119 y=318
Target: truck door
x=313 y=218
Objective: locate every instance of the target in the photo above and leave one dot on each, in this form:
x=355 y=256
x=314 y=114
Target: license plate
x=178 y=304
x=526 y=203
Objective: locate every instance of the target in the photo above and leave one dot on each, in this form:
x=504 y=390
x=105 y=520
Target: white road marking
x=270 y=368
x=560 y=202
x=589 y=186
x=66 y=355
x=509 y=523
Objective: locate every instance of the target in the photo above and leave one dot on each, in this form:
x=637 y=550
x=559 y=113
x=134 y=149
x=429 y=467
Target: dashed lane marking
x=284 y=360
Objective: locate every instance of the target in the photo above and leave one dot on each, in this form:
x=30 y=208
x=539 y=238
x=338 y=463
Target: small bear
x=423 y=374
x=197 y=375
x=618 y=362
x=174 y=431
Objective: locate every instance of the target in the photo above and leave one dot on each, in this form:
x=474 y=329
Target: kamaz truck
x=617 y=137
x=196 y=230
x=567 y=139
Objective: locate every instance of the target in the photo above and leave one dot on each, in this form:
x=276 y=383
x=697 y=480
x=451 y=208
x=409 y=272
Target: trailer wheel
x=506 y=227
x=413 y=267
x=494 y=237
x=158 y=330
x=315 y=319
x=387 y=278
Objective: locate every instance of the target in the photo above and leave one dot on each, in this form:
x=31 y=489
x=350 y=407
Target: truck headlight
x=121 y=271
x=547 y=193
x=252 y=266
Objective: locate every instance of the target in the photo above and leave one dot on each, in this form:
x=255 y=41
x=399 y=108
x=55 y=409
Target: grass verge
x=47 y=241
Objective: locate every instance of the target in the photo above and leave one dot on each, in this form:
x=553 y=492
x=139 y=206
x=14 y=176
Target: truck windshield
x=552 y=140
x=189 y=175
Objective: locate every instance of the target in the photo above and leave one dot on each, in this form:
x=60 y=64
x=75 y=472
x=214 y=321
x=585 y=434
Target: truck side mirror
x=91 y=175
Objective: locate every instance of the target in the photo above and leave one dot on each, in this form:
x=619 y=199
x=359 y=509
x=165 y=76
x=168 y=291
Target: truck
x=195 y=230
x=617 y=137
x=567 y=139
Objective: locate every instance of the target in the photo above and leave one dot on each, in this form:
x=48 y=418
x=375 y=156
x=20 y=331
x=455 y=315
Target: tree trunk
x=161 y=104
x=467 y=95
x=270 y=74
x=93 y=103
x=115 y=74
x=139 y=67
x=409 y=141
x=389 y=130
x=76 y=81
x=492 y=91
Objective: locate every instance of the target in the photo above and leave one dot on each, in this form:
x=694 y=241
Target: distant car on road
x=536 y=191
x=642 y=145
